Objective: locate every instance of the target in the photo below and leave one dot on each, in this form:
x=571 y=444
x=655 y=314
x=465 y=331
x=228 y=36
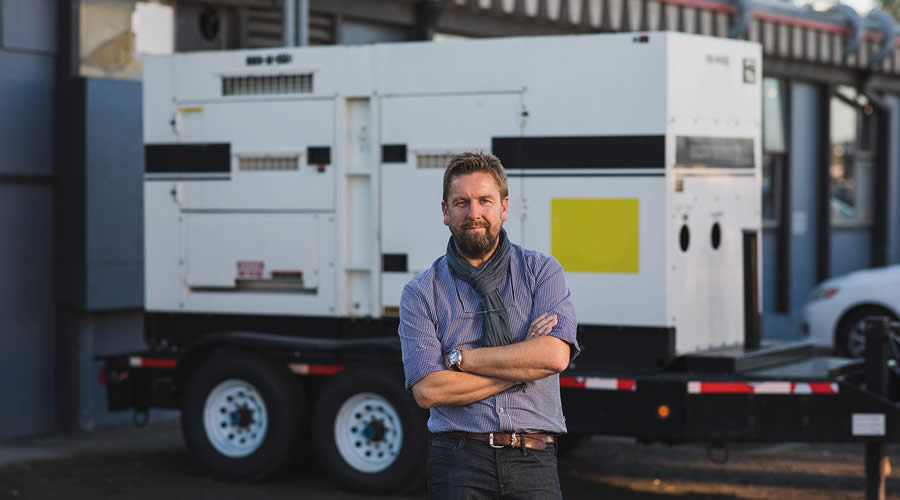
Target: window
x=773 y=163
x=114 y=35
x=850 y=166
x=774 y=149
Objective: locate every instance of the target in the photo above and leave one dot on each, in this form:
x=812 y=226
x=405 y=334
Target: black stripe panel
x=629 y=151
x=318 y=155
x=393 y=153
x=26 y=178
x=394 y=263
x=634 y=349
x=187 y=158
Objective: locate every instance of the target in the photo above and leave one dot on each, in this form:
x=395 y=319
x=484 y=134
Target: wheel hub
x=235 y=418
x=375 y=430
x=242 y=417
x=368 y=432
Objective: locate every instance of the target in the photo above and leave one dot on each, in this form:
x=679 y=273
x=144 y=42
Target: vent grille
x=268 y=162
x=321 y=29
x=269 y=84
x=434 y=160
x=264 y=27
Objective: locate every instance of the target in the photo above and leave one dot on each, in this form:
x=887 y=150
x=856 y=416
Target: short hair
x=467 y=163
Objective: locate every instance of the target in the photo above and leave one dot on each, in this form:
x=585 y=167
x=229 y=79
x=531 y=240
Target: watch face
x=454 y=356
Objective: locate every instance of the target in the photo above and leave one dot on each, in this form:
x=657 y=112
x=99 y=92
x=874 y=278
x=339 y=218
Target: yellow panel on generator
x=595 y=235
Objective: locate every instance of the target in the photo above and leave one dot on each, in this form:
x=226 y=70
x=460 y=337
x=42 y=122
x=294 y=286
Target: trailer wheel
x=241 y=415
x=370 y=435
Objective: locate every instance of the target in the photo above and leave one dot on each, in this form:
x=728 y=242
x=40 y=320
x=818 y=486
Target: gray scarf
x=486 y=280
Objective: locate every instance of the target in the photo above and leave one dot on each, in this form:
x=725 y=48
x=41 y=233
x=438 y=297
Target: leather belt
x=509 y=439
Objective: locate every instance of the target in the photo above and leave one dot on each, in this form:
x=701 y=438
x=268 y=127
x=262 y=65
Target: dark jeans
x=460 y=468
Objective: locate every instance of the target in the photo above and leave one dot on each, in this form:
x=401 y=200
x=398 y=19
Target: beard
x=474 y=245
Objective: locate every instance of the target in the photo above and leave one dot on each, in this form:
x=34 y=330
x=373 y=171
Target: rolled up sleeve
x=418 y=338
x=551 y=295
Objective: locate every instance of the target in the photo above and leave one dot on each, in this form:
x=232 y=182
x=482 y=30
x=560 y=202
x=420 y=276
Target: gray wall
x=114 y=162
x=802 y=213
x=26 y=309
x=850 y=249
x=893 y=241
x=804 y=164
x=357 y=32
x=27 y=65
x=769 y=252
x=112 y=322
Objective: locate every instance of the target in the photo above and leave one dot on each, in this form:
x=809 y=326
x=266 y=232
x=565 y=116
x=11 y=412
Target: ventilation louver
x=434 y=160
x=268 y=162
x=267 y=84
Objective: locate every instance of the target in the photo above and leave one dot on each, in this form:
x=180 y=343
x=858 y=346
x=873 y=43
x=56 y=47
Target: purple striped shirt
x=439 y=313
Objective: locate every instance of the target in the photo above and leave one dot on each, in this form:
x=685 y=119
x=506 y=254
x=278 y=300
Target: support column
x=823 y=186
x=302 y=26
x=881 y=181
x=288 y=24
x=877 y=377
x=69 y=259
x=878 y=467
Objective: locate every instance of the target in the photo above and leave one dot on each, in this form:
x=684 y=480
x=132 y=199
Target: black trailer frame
x=792 y=392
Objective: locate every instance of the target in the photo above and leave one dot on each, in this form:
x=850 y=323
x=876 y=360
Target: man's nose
x=474 y=211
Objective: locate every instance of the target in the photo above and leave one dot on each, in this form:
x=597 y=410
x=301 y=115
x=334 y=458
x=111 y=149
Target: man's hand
x=542 y=325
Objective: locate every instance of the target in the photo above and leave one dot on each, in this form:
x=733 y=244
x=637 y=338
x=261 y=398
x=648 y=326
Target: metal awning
x=839 y=37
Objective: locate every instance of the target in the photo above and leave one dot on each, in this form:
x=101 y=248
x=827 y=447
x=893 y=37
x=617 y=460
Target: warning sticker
x=868 y=424
x=250 y=269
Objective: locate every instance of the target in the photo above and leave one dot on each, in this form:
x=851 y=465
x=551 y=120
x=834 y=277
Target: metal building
x=72 y=156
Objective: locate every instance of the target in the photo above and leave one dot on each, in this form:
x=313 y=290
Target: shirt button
x=500 y=410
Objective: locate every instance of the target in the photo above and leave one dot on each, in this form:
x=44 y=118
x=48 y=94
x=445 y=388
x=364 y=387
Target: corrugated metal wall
x=27 y=46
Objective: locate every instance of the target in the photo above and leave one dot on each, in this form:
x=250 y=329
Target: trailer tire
x=241 y=416
x=369 y=433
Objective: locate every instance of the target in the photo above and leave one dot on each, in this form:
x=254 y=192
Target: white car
x=836 y=310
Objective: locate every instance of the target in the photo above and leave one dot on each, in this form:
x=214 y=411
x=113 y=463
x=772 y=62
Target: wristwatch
x=454 y=360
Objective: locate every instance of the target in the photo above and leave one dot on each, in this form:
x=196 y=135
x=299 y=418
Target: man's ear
x=446 y=212
x=505 y=207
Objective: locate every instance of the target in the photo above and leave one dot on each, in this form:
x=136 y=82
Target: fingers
x=542 y=325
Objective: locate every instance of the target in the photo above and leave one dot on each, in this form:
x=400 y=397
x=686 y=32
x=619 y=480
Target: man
x=485 y=332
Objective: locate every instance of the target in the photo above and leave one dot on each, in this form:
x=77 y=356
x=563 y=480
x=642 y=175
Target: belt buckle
x=491 y=441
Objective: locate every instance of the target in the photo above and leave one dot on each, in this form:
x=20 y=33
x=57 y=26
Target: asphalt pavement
x=151 y=463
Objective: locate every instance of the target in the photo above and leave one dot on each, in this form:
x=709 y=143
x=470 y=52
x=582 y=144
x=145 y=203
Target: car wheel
x=241 y=415
x=369 y=433
x=850 y=337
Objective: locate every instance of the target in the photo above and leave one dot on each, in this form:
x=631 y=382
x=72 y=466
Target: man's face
x=475 y=212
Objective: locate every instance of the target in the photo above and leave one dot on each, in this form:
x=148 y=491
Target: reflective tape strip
x=139 y=362
x=598 y=383
x=308 y=369
x=779 y=387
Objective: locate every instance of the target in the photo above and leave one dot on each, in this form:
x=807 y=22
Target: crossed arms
x=487 y=370
x=490 y=370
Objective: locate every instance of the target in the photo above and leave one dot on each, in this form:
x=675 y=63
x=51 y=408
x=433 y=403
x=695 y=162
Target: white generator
x=307 y=181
